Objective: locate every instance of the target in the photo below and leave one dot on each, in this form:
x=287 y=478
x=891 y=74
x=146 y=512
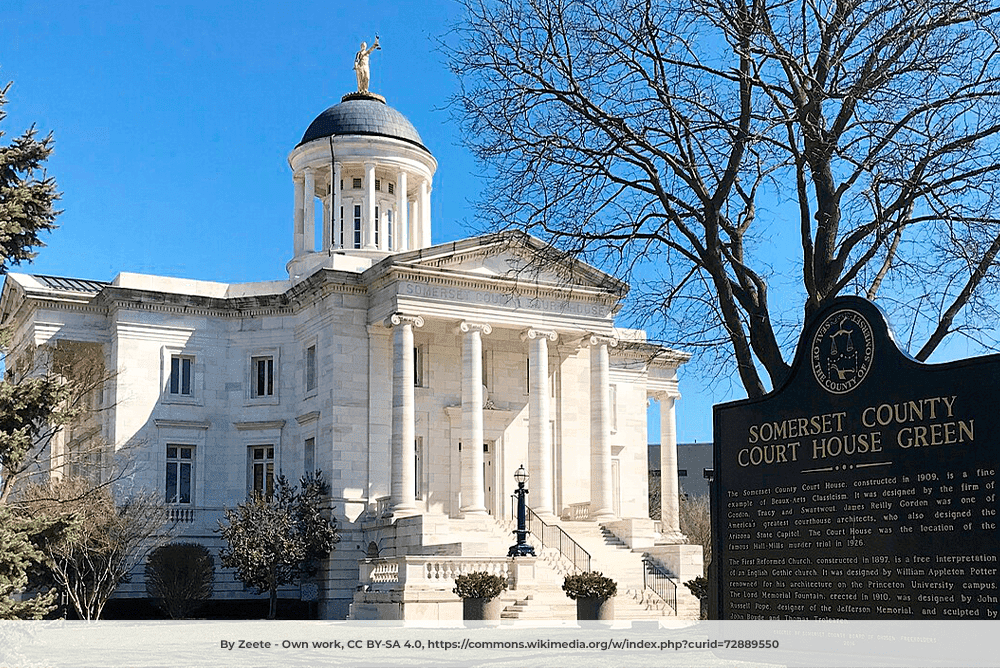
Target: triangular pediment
x=512 y=257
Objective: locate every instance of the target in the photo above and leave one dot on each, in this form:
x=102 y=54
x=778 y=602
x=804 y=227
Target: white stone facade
x=378 y=363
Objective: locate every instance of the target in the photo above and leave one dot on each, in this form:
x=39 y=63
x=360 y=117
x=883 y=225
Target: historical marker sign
x=864 y=487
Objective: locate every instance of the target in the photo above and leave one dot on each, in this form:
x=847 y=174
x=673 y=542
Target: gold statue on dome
x=361 y=64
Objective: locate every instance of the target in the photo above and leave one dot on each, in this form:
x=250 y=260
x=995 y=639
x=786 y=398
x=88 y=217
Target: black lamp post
x=521 y=548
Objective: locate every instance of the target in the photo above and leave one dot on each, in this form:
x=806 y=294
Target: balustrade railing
x=579 y=512
x=553 y=537
x=392 y=573
x=181 y=515
x=657 y=580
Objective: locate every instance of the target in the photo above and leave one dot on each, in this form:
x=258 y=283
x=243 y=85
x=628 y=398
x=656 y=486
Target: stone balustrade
x=429 y=572
x=578 y=512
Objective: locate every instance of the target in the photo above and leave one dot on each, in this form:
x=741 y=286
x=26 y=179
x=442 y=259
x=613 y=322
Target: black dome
x=360 y=114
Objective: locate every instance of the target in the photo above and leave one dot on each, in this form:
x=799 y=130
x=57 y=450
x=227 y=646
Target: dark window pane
x=175 y=372
x=184 y=495
x=171 y=481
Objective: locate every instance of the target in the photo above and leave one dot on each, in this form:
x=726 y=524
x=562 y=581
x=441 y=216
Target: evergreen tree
x=273 y=541
x=27 y=196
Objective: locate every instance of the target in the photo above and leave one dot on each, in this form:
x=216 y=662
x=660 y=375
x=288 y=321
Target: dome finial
x=361 y=64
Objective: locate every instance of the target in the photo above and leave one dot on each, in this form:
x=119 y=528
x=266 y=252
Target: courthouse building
x=417 y=377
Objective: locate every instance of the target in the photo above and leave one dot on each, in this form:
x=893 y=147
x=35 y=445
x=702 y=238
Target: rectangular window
x=180 y=474
x=357 y=226
x=181 y=368
x=309 y=455
x=391 y=189
x=262 y=369
x=378 y=184
x=341 y=228
x=376 y=227
x=418 y=366
x=356 y=184
x=310 y=368
x=262 y=470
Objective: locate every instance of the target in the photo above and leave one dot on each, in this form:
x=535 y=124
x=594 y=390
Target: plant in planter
x=479 y=591
x=594 y=595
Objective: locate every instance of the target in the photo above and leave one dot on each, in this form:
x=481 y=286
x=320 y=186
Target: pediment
x=511 y=257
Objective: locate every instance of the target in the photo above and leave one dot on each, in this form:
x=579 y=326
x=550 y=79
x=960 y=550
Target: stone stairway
x=546 y=599
x=613 y=558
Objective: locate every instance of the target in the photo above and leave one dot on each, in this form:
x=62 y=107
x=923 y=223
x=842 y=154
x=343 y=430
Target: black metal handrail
x=554 y=537
x=657 y=580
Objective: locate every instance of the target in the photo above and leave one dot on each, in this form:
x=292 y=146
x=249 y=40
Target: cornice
x=652 y=354
x=262 y=425
x=306 y=418
x=181 y=424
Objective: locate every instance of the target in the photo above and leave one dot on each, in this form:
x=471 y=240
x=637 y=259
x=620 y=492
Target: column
x=424 y=204
x=403 y=481
x=539 y=430
x=338 y=204
x=473 y=485
x=327 y=221
x=297 y=180
x=414 y=224
x=669 y=489
x=368 y=214
x=308 y=211
x=402 y=219
x=601 y=502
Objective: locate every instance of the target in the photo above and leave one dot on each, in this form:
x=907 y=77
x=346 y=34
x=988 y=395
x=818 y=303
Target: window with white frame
x=377 y=231
x=180 y=474
x=310 y=370
x=341 y=228
x=181 y=375
x=262 y=376
x=261 y=474
x=357 y=226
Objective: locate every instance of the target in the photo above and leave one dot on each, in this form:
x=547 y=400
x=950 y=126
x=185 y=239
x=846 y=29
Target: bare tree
x=107 y=537
x=687 y=143
x=51 y=406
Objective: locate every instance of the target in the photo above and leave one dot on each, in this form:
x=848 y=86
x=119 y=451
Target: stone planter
x=602 y=609
x=476 y=609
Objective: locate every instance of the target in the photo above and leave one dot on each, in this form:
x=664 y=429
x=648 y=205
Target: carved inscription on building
x=860 y=500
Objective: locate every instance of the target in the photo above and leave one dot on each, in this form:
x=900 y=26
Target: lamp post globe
x=521 y=548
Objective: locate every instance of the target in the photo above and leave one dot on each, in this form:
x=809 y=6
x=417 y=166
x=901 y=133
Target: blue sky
x=173 y=122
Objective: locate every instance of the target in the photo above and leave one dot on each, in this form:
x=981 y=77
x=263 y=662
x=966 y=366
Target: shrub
x=179 y=577
x=591 y=584
x=479 y=584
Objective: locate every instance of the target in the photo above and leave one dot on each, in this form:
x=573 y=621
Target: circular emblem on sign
x=842 y=350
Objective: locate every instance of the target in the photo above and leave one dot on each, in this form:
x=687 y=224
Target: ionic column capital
x=597 y=339
x=539 y=334
x=483 y=328
x=661 y=395
x=397 y=319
